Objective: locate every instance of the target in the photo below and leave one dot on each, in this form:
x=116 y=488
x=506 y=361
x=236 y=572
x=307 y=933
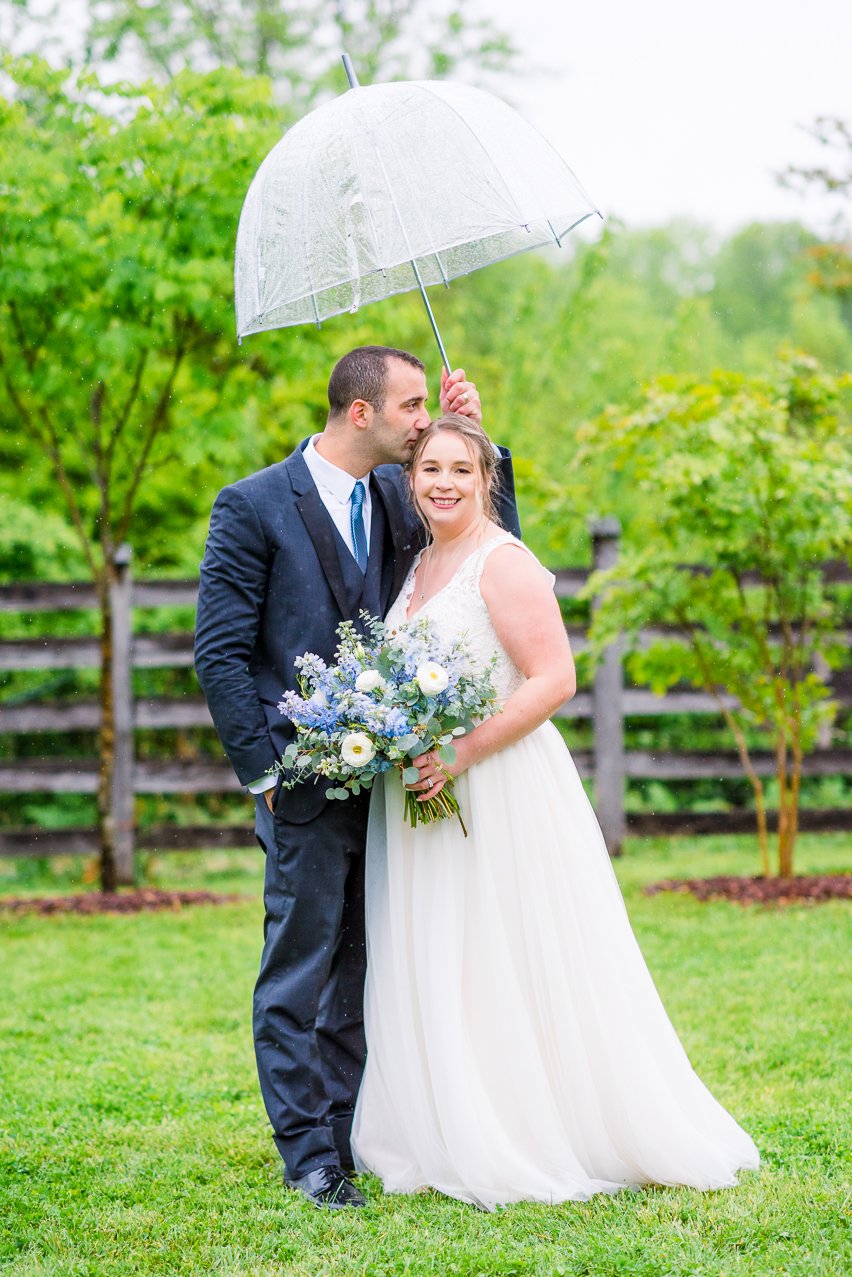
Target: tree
x=116 y=353
x=746 y=492
x=831 y=261
x=297 y=44
x=757 y=274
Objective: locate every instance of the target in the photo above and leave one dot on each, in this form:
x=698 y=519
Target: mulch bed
x=747 y=891
x=807 y=889
x=146 y=900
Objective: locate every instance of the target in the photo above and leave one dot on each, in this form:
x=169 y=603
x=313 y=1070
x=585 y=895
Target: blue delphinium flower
x=348 y=735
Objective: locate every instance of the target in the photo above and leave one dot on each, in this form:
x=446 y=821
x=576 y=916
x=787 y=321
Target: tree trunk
x=710 y=685
x=787 y=849
x=106 y=741
x=754 y=780
x=783 y=798
x=762 y=827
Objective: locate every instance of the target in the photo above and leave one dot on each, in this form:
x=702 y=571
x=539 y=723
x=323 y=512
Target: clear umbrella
x=389 y=188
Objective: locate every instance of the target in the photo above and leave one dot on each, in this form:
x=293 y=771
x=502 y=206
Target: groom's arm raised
x=461 y=396
x=231 y=594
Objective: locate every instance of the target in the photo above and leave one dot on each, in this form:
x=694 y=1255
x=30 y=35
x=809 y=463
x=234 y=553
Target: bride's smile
x=446 y=485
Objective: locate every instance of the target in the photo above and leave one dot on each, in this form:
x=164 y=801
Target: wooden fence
x=608 y=703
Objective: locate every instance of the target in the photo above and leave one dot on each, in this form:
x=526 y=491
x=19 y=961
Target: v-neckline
x=416 y=564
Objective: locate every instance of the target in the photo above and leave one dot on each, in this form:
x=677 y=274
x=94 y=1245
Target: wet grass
x=133 y=1140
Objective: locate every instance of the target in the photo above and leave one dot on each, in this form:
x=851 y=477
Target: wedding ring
x=466 y=397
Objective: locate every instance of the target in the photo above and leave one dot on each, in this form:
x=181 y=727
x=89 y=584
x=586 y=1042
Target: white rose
x=357 y=749
x=432 y=678
x=369 y=681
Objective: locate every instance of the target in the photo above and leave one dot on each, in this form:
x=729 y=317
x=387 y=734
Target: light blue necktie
x=356 y=524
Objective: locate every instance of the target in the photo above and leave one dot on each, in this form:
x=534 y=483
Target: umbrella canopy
x=391 y=187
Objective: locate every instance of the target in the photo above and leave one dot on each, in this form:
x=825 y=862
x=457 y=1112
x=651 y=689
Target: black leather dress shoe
x=328 y=1186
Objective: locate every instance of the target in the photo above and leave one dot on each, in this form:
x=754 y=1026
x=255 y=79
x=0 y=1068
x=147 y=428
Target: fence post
x=122 y=797
x=607 y=708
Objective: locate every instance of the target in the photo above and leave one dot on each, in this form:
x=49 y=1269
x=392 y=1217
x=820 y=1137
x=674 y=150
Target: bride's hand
x=460 y=395
x=434 y=773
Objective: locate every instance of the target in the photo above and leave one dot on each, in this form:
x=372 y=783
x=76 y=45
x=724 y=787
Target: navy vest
x=369 y=591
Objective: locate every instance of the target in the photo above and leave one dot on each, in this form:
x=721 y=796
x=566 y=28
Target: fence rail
x=191 y=711
x=608 y=704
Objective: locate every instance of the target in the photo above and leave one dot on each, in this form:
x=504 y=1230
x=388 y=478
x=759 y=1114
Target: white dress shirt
x=335 y=489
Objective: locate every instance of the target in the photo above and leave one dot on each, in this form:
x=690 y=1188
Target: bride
x=517 y=1049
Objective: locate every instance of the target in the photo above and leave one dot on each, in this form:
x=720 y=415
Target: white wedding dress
x=517 y=1049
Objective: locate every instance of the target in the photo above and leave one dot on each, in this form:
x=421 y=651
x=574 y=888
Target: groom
x=292 y=551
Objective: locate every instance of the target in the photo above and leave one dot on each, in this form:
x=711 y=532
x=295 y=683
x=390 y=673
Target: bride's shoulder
x=507 y=563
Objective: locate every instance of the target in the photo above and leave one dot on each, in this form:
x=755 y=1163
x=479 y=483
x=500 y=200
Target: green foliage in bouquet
x=390 y=696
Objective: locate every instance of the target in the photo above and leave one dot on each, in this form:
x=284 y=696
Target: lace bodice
x=459 y=609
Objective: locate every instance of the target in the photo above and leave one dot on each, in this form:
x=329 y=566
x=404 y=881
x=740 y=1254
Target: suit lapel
x=320 y=528
x=401 y=541
x=399 y=536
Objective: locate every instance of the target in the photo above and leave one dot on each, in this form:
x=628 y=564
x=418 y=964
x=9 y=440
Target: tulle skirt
x=517 y=1047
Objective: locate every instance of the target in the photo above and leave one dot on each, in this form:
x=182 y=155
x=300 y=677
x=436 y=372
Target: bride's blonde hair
x=482 y=454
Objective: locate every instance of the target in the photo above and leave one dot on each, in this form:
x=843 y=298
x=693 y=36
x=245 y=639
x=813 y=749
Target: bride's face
x=446 y=484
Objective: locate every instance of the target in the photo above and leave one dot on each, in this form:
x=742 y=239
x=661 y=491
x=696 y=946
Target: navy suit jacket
x=277 y=579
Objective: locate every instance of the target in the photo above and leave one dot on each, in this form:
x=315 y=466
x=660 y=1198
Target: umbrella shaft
x=354 y=82
x=444 y=355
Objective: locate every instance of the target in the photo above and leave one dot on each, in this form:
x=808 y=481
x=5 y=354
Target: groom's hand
x=460 y=395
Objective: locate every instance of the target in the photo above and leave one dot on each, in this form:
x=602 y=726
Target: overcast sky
x=674 y=107
x=669 y=107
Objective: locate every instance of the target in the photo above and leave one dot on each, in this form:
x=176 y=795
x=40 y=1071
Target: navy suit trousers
x=308 y=1000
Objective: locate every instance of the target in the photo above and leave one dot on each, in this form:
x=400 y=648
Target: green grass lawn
x=133 y=1139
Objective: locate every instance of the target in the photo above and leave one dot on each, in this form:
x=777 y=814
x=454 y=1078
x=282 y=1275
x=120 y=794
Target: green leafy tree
x=297 y=44
x=117 y=359
x=831 y=261
x=758 y=272
x=554 y=337
x=746 y=492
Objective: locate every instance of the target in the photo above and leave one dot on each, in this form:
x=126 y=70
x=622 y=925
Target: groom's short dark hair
x=363 y=374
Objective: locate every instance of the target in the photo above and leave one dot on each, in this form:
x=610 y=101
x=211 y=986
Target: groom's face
x=395 y=428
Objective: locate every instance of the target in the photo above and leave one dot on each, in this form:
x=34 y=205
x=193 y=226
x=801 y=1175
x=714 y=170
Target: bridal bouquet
x=390 y=696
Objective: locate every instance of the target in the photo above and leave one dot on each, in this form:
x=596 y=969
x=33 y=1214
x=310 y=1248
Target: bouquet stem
x=442 y=805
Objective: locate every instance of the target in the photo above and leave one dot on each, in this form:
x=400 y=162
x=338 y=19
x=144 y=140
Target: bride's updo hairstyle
x=482 y=454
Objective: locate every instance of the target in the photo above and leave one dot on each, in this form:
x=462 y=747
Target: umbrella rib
x=401 y=289
x=478 y=140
